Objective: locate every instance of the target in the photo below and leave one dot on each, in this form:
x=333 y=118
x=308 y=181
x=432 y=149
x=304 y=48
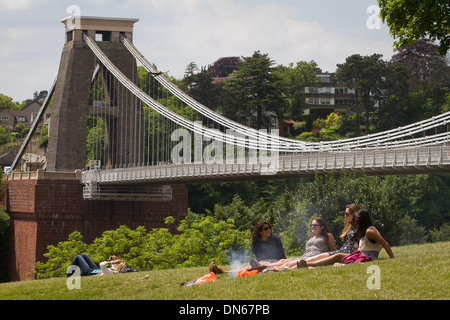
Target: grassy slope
x=417 y=272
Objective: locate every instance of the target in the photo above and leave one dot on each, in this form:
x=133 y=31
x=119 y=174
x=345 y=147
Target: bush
x=326 y=196
x=305 y=136
x=409 y=232
x=441 y=234
x=60 y=257
x=202 y=240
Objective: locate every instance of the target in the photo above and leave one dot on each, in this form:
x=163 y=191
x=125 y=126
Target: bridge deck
x=434 y=159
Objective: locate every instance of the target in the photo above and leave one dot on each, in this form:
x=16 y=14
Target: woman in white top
x=116 y=265
x=370 y=240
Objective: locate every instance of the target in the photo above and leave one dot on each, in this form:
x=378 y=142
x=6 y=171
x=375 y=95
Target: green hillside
x=418 y=272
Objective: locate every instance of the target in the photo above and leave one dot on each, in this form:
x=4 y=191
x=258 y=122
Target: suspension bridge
x=149 y=133
x=122 y=132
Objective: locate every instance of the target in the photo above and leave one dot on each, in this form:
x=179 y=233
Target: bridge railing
x=386 y=161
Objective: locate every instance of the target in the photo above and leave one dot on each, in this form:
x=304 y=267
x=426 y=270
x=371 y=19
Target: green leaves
x=410 y=20
x=202 y=240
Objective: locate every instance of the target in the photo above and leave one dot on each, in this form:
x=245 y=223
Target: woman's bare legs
x=325 y=260
x=318 y=257
x=319 y=260
x=275 y=264
x=289 y=263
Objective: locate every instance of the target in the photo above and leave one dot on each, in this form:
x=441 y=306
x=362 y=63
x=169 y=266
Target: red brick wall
x=45 y=212
x=22 y=248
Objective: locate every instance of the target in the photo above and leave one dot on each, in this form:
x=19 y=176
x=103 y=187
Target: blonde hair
x=121 y=265
x=352 y=208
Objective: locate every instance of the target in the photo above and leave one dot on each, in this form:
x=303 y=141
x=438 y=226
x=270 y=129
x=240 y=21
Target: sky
x=173 y=33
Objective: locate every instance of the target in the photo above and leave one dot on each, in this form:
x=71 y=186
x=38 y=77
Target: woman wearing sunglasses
x=266 y=247
x=348 y=237
x=320 y=240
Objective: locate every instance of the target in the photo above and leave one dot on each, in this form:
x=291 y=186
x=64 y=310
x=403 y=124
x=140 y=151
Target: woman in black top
x=266 y=246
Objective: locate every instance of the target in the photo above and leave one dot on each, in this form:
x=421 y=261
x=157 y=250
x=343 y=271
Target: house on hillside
x=26 y=116
x=330 y=95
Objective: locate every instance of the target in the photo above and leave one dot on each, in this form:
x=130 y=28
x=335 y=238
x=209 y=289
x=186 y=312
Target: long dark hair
x=353 y=208
x=256 y=230
x=325 y=230
x=362 y=221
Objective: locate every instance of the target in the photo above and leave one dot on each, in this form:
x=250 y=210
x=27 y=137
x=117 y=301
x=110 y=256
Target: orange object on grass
x=211 y=277
x=246 y=273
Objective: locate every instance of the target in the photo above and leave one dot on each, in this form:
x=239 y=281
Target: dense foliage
x=410 y=20
x=400 y=211
x=412 y=86
x=201 y=240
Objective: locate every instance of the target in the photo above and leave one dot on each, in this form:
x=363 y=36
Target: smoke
x=238 y=260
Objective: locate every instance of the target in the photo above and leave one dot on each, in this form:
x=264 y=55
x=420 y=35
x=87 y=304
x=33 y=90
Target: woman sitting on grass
x=320 y=240
x=348 y=236
x=370 y=240
x=266 y=247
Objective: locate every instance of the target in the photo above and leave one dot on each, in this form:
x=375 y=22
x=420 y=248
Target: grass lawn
x=418 y=272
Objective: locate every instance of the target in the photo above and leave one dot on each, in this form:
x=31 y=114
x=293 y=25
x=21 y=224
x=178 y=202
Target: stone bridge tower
x=68 y=131
x=46 y=206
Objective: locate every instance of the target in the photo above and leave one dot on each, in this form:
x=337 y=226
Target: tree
x=6 y=103
x=294 y=79
x=392 y=112
x=365 y=74
x=418 y=80
x=4 y=136
x=225 y=66
x=255 y=87
x=201 y=87
x=95 y=140
x=40 y=96
x=422 y=197
x=424 y=62
x=191 y=68
x=410 y=20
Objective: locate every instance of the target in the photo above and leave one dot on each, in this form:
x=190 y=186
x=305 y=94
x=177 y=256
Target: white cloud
x=173 y=33
x=15 y=4
x=25 y=63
